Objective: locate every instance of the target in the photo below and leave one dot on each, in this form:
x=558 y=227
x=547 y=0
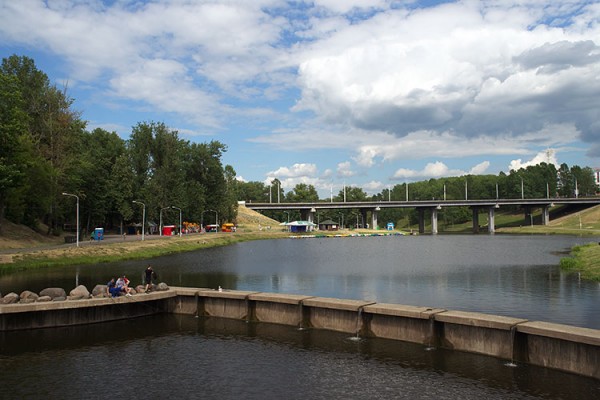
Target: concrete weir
x=563 y=347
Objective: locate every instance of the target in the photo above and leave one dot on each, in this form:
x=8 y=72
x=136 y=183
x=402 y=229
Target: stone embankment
x=78 y=293
x=567 y=348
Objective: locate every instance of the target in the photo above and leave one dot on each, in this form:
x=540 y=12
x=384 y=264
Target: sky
x=332 y=93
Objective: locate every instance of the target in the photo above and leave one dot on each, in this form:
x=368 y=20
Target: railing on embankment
x=563 y=347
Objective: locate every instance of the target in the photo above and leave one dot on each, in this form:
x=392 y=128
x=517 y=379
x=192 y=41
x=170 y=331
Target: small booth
x=390 y=226
x=98 y=234
x=228 y=227
x=328 y=225
x=212 y=228
x=300 y=226
x=168 y=230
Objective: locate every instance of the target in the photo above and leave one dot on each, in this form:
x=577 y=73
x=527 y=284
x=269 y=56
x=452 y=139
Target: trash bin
x=98 y=234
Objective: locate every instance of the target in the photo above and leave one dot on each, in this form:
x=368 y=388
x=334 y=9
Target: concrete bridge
x=432 y=207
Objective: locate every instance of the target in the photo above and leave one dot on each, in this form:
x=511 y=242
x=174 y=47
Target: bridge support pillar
x=363 y=219
x=374 y=218
x=475 y=220
x=545 y=215
x=421 y=213
x=308 y=215
x=434 y=221
x=528 y=216
x=491 y=222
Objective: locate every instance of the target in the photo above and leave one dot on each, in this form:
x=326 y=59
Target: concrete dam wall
x=563 y=347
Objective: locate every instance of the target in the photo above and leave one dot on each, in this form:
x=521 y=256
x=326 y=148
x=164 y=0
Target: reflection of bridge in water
x=308 y=210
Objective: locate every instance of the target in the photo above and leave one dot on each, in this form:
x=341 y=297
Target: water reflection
x=169 y=356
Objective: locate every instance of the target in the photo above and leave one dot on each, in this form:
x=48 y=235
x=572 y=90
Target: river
x=186 y=357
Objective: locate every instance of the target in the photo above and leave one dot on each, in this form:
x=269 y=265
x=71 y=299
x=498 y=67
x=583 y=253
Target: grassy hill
x=248 y=219
x=563 y=220
x=19 y=236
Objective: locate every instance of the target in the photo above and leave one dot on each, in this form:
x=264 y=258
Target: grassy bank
x=584 y=260
x=111 y=252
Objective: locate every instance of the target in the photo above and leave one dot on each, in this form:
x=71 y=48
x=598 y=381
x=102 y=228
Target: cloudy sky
x=369 y=93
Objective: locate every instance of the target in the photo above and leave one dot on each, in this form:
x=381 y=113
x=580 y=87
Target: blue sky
x=368 y=93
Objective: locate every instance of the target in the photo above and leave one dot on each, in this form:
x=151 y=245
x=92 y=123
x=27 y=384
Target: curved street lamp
x=177 y=208
x=77 y=197
x=143 y=217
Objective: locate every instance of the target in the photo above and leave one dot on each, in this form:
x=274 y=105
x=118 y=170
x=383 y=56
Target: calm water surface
x=185 y=357
x=514 y=276
x=182 y=357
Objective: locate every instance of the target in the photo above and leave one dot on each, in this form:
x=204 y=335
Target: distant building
x=328 y=225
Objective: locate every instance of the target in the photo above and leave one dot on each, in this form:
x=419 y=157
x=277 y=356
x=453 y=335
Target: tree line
x=536 y=181
x=46 y=151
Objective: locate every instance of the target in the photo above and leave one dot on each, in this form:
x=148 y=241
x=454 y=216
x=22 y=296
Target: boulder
x=162 y=286
x=42 y=299
x=140 y=288
x=10 y=298
x=99 y=291
x=54 y=293
x=61 y=298
x=28 y=296
x=80 y=292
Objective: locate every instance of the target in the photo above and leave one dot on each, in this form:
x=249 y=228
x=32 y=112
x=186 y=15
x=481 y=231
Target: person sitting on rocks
x=123 y=284
x=112 y=288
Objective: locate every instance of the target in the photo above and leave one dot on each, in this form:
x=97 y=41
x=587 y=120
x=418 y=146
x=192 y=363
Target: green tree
x=566 y=181
x=586 y=184
x=302 y=193
x=231 y=186
x=101 y=150
x=55 y=131
x=13 y=128
x=253 y=192
x=121 y=188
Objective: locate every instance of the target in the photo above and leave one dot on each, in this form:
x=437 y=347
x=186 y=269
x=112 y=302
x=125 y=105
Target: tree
x=302 y=193
x=566 y=182
x=230 y=212
x=54 y=130
x=584 y=177
x=101 y=150
x=252 y=191
x=13 y=128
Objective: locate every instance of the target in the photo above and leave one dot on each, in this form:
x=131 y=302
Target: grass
x=102 y=253
x=584 y=260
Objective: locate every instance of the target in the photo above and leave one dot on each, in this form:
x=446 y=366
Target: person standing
x=148 y=278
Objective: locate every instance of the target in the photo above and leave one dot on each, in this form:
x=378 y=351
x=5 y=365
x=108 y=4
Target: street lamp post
x=77 y=214
x=177 y=208
x=143 y=217
x=161 y=220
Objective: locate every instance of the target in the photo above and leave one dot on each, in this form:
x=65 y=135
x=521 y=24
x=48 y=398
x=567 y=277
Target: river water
x=186 y=357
